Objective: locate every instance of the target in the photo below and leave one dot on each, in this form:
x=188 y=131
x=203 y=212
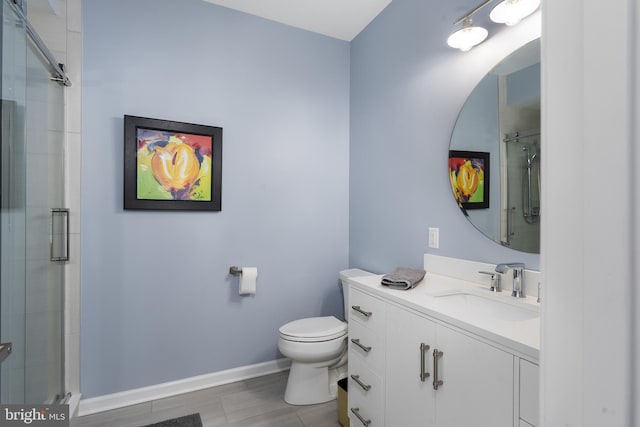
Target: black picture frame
x=184 y=159
x=479 y=163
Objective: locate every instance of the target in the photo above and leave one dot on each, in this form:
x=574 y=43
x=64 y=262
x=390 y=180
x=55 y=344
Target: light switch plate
x=434 y=237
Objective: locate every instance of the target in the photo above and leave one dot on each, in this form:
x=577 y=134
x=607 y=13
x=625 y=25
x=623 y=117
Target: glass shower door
x=523 y=192
x=31 y=287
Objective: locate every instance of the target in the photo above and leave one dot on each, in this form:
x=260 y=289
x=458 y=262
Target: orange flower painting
x=469 y=177
x=172 y=165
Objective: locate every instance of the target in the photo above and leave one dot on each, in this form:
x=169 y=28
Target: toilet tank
x=344 y=274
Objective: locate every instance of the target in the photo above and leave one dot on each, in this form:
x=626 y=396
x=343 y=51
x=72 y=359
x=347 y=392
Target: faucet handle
x=495 y=280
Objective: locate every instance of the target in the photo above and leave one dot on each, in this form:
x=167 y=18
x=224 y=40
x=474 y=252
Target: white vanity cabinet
x=412 y=363
x=367 y=320
x=474 y=380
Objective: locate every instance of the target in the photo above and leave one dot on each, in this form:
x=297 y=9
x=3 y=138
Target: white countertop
x=521 y=334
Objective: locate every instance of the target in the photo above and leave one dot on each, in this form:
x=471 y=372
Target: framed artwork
x=171 y=165
x=469 y=176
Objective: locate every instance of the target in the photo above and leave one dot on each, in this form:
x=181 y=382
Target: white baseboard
x=173 y=388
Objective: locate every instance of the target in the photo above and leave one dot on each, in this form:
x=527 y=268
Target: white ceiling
x=341 y=19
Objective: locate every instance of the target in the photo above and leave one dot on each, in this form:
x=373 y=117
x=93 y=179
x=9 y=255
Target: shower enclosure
x=521 y=215
x=33 y=223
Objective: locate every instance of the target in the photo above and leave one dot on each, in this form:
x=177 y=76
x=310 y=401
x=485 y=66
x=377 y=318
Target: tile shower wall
x=59 y=24
x=158 y=303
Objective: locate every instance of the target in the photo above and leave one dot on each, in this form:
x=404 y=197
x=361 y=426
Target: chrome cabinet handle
x=357 y=342
x=364 y=386
x=361 y=311
x=436 y=381
x=356 y=412
x=423 y=349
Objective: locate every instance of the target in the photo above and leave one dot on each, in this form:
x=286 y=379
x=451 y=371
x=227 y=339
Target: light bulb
x=467 y=37
x=511 y=12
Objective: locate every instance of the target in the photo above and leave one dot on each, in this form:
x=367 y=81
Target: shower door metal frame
x=56 y=68
x=56 y=74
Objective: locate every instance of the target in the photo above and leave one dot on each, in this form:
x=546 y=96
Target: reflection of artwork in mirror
x=469 y=176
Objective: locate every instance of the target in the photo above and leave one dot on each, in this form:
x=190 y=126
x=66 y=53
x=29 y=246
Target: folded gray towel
x=403 y=278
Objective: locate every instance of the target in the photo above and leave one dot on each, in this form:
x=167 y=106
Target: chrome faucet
x=518 y=282
x=495 y=281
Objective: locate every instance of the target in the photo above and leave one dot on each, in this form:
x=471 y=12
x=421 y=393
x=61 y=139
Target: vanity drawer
x=364 y=383
x=368 y=403
x=367 y=345
x=367 y=415
x=367 y=310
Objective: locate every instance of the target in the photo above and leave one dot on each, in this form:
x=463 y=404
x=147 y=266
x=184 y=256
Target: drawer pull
x=357 y=342
x=423 y=349
x=436 y=382
x=364 y=386
x=356 y=412
x=361 y=311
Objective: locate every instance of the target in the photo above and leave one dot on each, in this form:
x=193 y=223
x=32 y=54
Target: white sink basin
x=487 y=305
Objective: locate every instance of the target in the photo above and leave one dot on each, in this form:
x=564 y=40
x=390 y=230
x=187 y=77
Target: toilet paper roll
x=248 y=280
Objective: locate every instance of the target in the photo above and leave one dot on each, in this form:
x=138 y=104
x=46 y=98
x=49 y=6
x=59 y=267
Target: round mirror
x=494 y=153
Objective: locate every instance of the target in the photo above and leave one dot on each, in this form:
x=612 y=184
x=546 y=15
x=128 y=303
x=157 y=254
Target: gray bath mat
x=192 y=420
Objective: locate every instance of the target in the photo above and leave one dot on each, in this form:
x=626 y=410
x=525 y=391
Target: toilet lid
x=314 y=329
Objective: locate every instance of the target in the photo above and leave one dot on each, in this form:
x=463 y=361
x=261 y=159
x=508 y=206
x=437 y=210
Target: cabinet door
x=529 y=388
x=477 y=382
x=409 y=398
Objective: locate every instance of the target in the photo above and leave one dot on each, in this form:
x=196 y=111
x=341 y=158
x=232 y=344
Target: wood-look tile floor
x=256 y=402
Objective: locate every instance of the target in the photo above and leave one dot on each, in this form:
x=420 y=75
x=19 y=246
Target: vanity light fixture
x=509 y=12
x=468 y=36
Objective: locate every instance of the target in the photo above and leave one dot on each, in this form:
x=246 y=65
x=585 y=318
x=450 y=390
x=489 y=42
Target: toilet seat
x=314 y=329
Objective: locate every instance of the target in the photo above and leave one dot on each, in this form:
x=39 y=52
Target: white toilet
x=317 y=347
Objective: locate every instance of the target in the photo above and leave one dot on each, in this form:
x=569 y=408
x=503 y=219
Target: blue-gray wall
x=523 y=85
x=157 y=302
x=407 y=87
x=335 y=155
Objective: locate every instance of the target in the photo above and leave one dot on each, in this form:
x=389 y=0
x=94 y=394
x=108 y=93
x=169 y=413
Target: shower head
x=530 y=157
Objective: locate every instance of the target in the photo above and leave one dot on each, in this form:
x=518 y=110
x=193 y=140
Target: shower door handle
x=59 y=240
x=510 y=220
x=5 y=351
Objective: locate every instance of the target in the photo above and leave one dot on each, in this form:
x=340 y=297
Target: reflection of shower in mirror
x=531 y=213
x=521 y=206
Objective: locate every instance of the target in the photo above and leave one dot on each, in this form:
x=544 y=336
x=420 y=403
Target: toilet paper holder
x=236 y=271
